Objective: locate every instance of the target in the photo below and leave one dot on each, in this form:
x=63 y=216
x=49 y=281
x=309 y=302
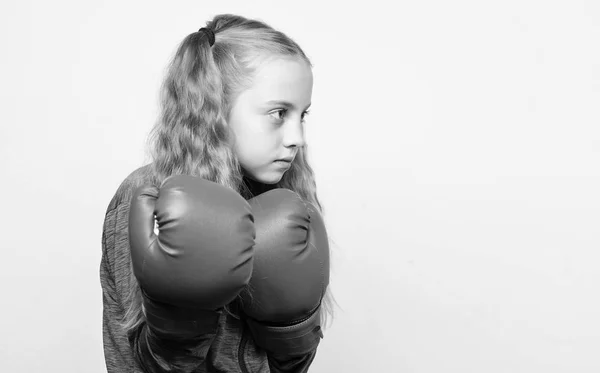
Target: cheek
x=256 y=141
x=250 y=147
x=255 y=138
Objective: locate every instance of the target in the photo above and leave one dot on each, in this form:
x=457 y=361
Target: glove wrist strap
x=289 y=340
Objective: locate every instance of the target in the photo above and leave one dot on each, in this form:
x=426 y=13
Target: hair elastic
x=210 y=34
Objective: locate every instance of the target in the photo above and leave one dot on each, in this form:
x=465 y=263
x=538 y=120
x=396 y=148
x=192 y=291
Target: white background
x=456 y=146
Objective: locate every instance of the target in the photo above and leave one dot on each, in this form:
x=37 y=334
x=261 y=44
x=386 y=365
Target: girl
x=232 y=112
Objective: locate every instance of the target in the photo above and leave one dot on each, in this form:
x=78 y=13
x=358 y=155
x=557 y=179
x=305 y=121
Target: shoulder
x=136 y=178
x=115 y=240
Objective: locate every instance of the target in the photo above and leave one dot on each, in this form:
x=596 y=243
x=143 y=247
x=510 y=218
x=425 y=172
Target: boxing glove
x=290 y=276
x=199 y=261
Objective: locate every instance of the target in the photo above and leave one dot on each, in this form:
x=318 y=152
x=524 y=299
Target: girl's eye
x=280 y=114
x=304 y=115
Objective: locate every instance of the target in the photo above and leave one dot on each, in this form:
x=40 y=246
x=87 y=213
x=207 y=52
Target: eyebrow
x=286 y=104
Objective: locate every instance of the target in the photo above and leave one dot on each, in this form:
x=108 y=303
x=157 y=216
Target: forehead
x=283 y=79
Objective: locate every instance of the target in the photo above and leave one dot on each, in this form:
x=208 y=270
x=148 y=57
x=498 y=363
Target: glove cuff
x=179 y=323
x=289 y=340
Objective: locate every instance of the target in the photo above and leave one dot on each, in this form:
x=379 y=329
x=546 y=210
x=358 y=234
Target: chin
x=269 y=177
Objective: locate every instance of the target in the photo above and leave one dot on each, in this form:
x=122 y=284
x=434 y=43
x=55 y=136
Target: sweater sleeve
x=115 y=276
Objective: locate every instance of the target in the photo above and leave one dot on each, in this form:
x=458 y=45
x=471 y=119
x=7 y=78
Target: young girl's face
x=267 y=119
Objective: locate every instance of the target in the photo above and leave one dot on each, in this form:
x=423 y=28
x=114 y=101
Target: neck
x=256 y=187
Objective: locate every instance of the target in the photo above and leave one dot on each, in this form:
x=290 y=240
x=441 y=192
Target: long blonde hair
x=191 y=136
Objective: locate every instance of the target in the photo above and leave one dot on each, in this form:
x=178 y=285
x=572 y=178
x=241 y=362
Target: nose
x=294 y=134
